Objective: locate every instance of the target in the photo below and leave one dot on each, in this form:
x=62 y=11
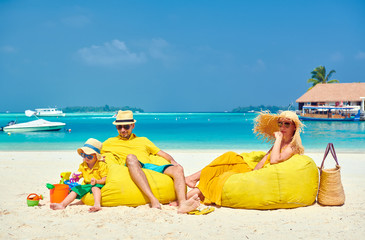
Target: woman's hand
x=278 y=135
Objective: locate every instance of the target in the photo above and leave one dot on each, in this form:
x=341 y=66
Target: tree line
x=105 y=108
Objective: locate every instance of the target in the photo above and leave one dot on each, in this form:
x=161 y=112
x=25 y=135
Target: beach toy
x=65 y=176
x=121 y=190
x=75 y=177
x=71 y=184
x=73 y=181
x=33 y=199
x=290 y=184
x=58 y=192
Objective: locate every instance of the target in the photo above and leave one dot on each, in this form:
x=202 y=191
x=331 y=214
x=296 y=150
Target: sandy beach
x=28 y=172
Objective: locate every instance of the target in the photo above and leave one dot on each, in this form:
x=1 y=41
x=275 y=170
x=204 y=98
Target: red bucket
x=59 y=193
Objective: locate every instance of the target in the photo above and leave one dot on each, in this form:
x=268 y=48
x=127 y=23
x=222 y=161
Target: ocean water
x=179 y=131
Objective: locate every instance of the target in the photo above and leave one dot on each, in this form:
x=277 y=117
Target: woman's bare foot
x=95 y=208
x=174 y=204
x=189 y=205
x=190 y=181
x=56 y=206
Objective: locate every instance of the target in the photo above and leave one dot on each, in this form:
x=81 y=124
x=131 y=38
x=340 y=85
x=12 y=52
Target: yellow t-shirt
x=117 y=149
x=99 y=171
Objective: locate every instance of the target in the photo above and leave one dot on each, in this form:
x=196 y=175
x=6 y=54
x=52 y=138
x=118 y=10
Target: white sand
x=23 y=173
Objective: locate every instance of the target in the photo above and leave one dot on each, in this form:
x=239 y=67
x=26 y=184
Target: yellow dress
x=214 y=175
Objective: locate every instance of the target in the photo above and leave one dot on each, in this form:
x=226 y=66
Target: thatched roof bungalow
x=334 y=94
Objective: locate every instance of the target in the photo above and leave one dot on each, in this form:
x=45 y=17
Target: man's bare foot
x=189 y=205
x=155 y=204
x=95 y=208
x=56 y=206
x=190 y=181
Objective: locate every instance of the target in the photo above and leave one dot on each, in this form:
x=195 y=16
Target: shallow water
x=179 y=131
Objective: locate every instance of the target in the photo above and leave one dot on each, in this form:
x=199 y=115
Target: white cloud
x=114 y=53
x=360 y=55
x=7 y=49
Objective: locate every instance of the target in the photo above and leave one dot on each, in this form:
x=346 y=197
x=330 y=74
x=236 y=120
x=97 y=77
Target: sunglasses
x=87 y=156
x=126 y=127
x=286 y=124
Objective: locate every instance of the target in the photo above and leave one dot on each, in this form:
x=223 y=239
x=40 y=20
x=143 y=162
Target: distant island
x=259 y=108
x=106 y=108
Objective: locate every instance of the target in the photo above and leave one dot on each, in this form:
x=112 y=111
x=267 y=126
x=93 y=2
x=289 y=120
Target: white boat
x=36 y=125
x=45 y=112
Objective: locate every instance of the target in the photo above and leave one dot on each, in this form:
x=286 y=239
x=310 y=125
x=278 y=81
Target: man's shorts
x=154 y=167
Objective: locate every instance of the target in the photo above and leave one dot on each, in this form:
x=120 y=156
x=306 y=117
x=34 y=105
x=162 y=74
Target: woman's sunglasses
x=126 y=127
x=286 y=124
x=87 y=156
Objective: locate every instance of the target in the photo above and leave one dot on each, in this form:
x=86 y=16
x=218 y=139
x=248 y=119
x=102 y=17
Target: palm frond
x=330 y=74
x=333 y=81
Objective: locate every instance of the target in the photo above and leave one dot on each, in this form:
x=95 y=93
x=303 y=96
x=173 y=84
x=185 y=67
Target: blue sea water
x=179 y=131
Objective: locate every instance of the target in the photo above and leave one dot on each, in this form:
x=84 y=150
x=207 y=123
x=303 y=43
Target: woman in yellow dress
x=283 y=129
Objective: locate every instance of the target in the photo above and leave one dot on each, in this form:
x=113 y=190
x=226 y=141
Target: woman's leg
x=193 y=179
x=194 y=191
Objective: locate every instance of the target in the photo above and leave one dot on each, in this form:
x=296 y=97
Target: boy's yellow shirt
x=99 y=171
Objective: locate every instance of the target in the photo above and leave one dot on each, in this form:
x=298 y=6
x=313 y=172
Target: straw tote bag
x=330 y=191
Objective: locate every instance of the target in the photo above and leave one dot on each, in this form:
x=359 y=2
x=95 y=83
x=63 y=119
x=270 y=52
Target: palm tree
x=319 y=76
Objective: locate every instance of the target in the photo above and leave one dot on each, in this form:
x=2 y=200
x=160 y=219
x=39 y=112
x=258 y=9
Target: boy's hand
x=93 y=181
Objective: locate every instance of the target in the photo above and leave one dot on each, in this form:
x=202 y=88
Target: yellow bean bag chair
x=290 y=184
x=120 y=190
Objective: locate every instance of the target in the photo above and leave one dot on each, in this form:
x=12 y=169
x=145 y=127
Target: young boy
x=94 y=173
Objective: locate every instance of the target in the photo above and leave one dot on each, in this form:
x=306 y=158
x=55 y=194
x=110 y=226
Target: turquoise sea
x=179 y=131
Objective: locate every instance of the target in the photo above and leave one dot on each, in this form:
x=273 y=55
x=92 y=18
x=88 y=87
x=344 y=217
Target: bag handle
x=330 y=148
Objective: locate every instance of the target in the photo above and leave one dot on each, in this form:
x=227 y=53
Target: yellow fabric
x=99 y=171
x=116 y=149
x=290 y=184
x=121 y=190
x=214 y=175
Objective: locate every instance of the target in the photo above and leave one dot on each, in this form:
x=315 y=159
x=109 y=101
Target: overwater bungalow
x=334 y=101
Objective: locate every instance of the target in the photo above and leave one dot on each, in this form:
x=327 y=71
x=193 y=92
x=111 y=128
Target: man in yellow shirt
x=134 y=152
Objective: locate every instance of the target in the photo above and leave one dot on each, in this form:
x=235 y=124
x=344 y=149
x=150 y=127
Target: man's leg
x=177 y=174
x=139 y=178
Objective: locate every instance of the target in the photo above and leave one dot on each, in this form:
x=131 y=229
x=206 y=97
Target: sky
x=174 y=56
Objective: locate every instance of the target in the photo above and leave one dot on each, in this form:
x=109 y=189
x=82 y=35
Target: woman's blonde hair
x=267 y=123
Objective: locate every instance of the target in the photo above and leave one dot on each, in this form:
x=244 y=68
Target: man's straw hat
x=91 y=146
x=266 y=124
x=124 y=118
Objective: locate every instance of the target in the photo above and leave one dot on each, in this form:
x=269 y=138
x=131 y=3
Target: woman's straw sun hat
x=91 y=146
x=267 y=123
x=124 y=118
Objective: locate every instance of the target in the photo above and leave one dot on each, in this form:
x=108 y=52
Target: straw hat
x=91 y=146
x=266 y=124
x=124 y=118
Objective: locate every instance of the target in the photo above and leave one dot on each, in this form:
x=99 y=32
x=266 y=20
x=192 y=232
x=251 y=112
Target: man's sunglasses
x=286 y=124
x=126 y=127
x=87 y=156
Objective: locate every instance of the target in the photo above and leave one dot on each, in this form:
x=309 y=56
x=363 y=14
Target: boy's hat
x=91 y=146
x=124 y=118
